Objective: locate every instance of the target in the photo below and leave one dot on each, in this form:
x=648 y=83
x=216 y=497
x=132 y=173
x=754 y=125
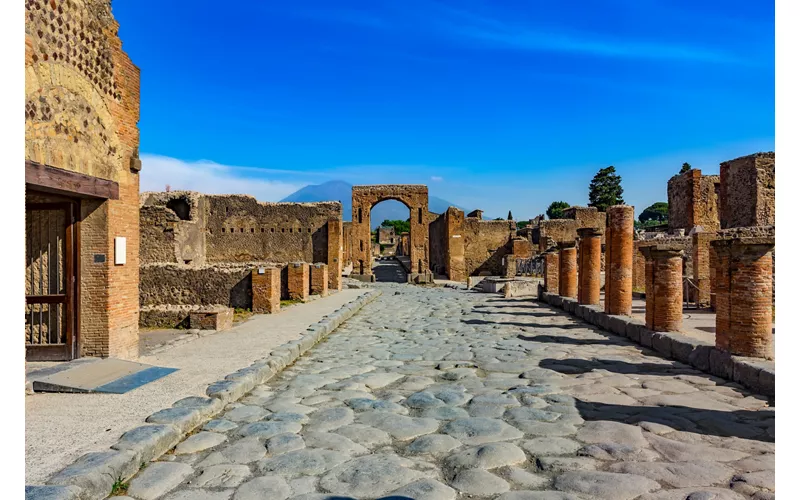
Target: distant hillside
x=342 y=192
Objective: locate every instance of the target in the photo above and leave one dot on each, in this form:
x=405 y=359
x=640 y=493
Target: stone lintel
x=590 y=232
x=658 y=252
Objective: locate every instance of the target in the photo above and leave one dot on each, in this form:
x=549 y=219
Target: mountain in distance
x=342 y=192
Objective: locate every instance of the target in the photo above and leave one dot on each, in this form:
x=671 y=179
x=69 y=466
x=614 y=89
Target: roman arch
x=415 y=197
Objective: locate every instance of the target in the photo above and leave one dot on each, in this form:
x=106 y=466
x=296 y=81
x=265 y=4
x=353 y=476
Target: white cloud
x=209 y=177
x=436 y=178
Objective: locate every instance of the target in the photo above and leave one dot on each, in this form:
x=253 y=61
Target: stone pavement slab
x=438 y=393
x=59 y=428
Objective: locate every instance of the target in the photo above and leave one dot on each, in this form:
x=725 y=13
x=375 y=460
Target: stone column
x=663 y=282
x=568 y=270
x=266 y=288
x=589 y=255
x=619 y=259
x=744 y=285
x=319 y=279
x=551 y=271
x=297 y=282
x=510 y=266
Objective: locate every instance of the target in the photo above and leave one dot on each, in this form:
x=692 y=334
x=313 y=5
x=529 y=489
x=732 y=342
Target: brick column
x=551 y=271
x=744 y=285
x=619 y=259
x=701 y=262
x=297 y=280
x=568 y=270
x=319 y=279
x=266 y=288
x=589 y=257
x=663 y=282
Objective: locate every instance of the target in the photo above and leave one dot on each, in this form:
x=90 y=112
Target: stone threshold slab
x=94 y=375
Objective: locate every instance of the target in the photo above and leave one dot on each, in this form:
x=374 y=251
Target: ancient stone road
x=433 y=393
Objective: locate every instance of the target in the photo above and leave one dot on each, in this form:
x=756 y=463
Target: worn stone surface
x=444 y=394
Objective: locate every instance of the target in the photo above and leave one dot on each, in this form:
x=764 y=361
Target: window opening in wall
x=181 y=208
x=361 y=266
x=241 y=229
x=361 y=244
x=309 y=230
x=290 y=229
x=223 y=229
x=283 y=229
x=187 y=262
x=419 y=266
x=272 y=230
x=252 y=230
x=262 y=229
x=419 y=215
x=359 y=216
x=233 y=230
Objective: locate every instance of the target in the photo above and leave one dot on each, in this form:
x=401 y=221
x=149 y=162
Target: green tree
x=523 y=223
x=685 y=167
x=400 y=226
x=510 y=217
x=605 y=190
x=556 y=209
x=657 y=213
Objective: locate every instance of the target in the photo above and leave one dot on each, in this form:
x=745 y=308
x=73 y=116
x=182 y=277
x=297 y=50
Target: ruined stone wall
x=485 y=245
x=747 y=191
x=437 y=235
x=563 y=230
x=447 y=241
x=386 y=236
x=692 y=199
x=81 y=115
x=199 y=250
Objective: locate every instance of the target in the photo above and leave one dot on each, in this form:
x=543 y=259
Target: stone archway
x=415 y=197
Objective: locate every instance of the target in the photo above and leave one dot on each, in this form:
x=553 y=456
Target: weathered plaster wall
x=485 y=245
x=692 y=199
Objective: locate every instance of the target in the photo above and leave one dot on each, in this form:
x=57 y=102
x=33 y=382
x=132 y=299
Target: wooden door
x=50 y=281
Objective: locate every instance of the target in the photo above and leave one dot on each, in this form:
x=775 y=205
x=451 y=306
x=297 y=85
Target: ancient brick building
x=82 y=183
x=200 y=250
x=693 y=201
x=447 y=245
x=747 y=191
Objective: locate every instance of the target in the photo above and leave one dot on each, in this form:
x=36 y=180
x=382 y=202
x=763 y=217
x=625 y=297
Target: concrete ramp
x=93 y=375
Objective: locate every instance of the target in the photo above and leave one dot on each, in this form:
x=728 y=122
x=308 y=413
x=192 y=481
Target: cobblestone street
x=437 y=393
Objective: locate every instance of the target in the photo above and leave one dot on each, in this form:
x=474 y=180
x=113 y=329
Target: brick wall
x=266 y=289
x=81 y=115
x=297 y=280
x=692 y=199
x=747 y=191
x=319 y=279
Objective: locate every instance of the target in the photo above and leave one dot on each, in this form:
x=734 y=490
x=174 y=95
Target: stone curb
x=756 y=374
x=92 y=476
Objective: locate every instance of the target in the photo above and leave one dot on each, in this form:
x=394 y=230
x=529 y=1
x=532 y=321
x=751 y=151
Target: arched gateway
x=415 y=197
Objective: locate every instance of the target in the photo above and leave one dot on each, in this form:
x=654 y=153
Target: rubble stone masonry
x=619 y=259
x=703 y=268
x=486 y=243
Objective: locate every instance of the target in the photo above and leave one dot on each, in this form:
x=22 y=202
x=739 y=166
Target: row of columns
x=743 y=284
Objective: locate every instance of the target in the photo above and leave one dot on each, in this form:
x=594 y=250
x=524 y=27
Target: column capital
x=566 y=244
x=590 y=232
x=659 y=252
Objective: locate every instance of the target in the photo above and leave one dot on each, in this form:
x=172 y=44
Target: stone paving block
x=720 y=363
x=95 y=473
x=157 y=479
x=646 y=336
x=618 y=324
x=149 y=441
x=38 y=492
x=662 y=343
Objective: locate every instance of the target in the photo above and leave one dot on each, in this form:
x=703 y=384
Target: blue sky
x=493 y=105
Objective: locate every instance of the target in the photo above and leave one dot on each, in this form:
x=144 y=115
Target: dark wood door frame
x=68 y=350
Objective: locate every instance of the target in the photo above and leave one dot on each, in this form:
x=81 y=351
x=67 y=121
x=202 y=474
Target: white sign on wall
x=119 y=250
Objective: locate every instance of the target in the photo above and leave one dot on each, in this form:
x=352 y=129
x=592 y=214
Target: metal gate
x=50 y=281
